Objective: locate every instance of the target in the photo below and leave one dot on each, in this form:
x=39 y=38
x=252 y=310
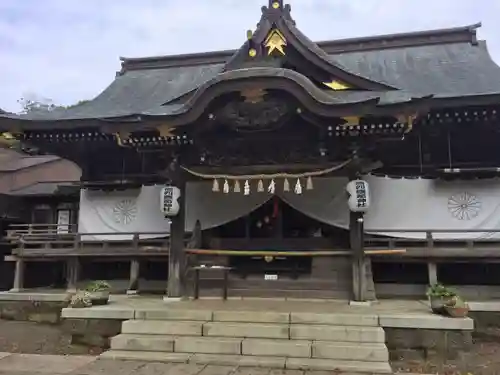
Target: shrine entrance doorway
x=279 y=229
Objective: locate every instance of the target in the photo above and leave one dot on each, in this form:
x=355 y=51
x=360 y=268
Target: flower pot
x=457 y=312
x=99 y=298
x=438 y=304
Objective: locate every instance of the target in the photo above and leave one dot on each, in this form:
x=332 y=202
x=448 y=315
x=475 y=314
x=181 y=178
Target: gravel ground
x=483 y=359
x=34 y=338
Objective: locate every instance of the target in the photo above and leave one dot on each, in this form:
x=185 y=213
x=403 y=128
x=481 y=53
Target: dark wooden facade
x=368 y=105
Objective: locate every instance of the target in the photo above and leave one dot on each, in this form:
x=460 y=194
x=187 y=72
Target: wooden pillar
x=432 y=270
x=133 y=285
x=18 y=276
x=177 y=255
x=358 y=256
x=72 y=272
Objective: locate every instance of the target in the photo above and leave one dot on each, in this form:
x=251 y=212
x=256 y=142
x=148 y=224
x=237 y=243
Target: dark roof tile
x=456 y=69
x=445 y=69
x=16 y=164
x=44 y=188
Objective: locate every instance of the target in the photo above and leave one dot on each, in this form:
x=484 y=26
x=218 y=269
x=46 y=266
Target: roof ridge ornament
x=276 y=9
x=277 y=36
x=275 y=4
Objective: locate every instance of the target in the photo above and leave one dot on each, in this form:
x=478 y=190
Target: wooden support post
x=358 y=256
x=432 y=270
x=18 y=276
x=72 y=271
x=133 y=286
x=177 y=255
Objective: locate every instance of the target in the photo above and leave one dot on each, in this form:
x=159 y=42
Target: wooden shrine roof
x=445 y=64
x=47 y=188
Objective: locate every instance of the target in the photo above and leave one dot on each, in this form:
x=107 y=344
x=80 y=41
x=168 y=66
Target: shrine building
x=352 y=169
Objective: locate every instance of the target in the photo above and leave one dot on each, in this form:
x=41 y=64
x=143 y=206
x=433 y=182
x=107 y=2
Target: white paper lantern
x=359 y=196
x=169 y=200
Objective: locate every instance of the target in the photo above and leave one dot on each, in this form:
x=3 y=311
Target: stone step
x=179 y=344
x=335 y=319
x=249 y=316
x=201 y=315
x=253 y=361
x=356 y=334
x=367 y=352
x=252 y=347
x=143 y=343
x=163 y=327
x=253 y=330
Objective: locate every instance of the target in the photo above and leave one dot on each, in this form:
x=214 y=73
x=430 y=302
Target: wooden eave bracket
x=408 y=120
x=121 y=137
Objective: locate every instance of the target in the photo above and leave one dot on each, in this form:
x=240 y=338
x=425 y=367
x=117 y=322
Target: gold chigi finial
x=275 y=41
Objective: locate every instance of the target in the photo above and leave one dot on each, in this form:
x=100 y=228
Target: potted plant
x=98 y=292
x=457 y=308
x=80 y=300
x=439 y=295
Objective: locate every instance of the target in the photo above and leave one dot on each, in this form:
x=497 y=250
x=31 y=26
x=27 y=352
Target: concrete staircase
x=303 y=341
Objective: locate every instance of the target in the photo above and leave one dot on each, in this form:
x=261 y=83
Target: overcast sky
x=68 y=50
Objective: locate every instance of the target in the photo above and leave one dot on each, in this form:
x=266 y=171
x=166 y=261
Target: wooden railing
x=44 y=240
x=16 y=230
x=431 y=246
x=52 y=240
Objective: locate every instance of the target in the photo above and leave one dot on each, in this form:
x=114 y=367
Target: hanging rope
x=268 y=176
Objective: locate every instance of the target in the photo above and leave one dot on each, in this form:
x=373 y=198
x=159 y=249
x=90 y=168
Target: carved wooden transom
x=254 y=116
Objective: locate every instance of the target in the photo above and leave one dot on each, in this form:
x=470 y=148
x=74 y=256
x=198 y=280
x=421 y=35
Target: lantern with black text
x=359 y=196
x=169 y=200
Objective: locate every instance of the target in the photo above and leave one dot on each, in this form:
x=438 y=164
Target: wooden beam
x=18 y=276
x=358 y=261
x=133 y=286
x=98 y=252
x=309 y=253
x=72 y=271
x=177 y=259
x=432 y=270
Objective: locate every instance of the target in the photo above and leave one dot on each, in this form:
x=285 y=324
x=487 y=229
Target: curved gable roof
x=442 y=63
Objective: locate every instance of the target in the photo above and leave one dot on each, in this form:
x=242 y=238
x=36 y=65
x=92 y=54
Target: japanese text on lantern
x=169 y=203
x=359 y=196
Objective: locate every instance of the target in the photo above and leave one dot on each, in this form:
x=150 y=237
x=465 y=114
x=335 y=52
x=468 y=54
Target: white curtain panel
x=409 y=204
x=138 y=211
x=397 y=205
x=128 y=211
x=213 y=209
x=435 y=204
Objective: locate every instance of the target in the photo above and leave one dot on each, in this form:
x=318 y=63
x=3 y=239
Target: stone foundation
x=33 y=311
x=47 y=310
x=409 y=343
x=92 y=332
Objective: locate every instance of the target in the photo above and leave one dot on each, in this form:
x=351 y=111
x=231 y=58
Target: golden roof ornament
x=336 y=85
x=275 y=41
x=275 y=4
